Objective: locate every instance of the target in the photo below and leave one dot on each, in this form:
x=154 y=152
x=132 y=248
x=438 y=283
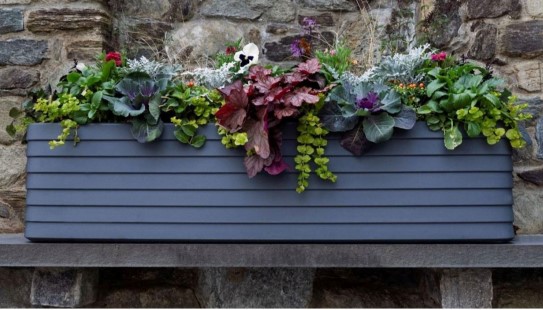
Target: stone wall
x=40 y=38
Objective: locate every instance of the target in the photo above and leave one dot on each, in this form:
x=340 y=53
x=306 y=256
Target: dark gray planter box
x=410 y=189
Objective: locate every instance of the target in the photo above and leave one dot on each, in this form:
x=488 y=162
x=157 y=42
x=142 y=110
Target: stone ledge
x=524 y=252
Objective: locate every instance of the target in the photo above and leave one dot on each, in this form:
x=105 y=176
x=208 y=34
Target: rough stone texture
x=198 y=38
x=84 y=50
x=281 y=11
x=152 y=297
x=280 y=50
x=369 y=288
x=52 y=20
x=22 y=52
x=15 y=287
x=518 y=288
x=233 y=9
x=443 y=23
x=466 y=288
x=493 y=8
x=13 y=163
x=527 y=208
x=523 y=39
x=539 y=138
x=484 y=46
x=530 y=76
x=330 y=5
x=6 y=104
x=17 y=80
x=323 y=20
x=143 y=36
x=534 y=8
x=534 y=176
x=256 y=288
x=163 y=10
x=68 y=288
x=11 y=20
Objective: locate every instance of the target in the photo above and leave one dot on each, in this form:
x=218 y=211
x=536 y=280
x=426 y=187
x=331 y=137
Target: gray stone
x=484 y=45
x=256 y=288
x=67 y=288
x=15 y=287
x=330 y=5
x=525 y=154
x=233 y=9
x=67 y=19
x=529 y=75
x=534 y=176
x=443 y=23
x=12 y=164
x=535 y=107
x=6 y=104
x=518 y=288
x=137 y=34
x=325 y=19
x=16 y=78
x=527 y=202
x=11 y=20
x=277 y=29
x=370 y=288
x=4 y=210
x=539 y=137
x=281 y=11
x=150 y=297
x=493 y=8
x=197 y=39
x=85 y=50
x=523 y=39
x=163 y=10
x=466 y=288
x=534 y=8
x=22 y=52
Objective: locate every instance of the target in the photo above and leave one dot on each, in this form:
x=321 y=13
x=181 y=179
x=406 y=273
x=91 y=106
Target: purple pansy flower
x=295 y=49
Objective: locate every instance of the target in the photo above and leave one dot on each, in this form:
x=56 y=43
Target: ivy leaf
x=332 y=118
x=453 y=137
x=198 y=141
x=355 y=141
x=10 y=129
x=15 y=113
x=378 y=128
x=145 y=132
x=406 y=119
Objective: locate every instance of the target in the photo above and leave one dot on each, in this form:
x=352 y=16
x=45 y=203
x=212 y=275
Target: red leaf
x=265 y=84
x=254 y=164
x=299 y=96
x=232 y=115
x=258 y=71
x=277 y=167
x=294 y=78
x=309 y=67
x=281 y=111
x=257 y=134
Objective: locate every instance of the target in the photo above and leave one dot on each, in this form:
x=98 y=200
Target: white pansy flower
x=248 y=56
x=80 y=67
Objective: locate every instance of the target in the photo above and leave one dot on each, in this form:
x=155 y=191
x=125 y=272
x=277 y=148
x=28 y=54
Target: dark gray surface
x=111 y=188
x=524 y=251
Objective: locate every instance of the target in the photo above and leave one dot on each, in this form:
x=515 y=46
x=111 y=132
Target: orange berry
x=190 y=84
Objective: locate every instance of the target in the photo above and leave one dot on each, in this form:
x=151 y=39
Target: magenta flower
x=368 y=102
x=295 y=49
x=439 y=56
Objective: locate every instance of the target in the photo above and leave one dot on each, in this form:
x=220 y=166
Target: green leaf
x=145 y=132
x=97 y=99
x=434 y=86
x=473 y=129
x=15 y=113
x=181 y=136
x=406 y=119
x=495 y=101
x=106 y=70
x=453 y=137
x=378 y=128
x=189 y=130
x=391 y=102
x=461 y=100
x=332 y=118
x=154 y=106
x=198 y=141
x=10 y=129
x=73 y=77
x=123 y=107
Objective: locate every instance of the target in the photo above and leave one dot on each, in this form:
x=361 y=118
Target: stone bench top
x=525 y=251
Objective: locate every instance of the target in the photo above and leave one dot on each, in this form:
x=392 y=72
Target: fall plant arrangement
x=250 y=102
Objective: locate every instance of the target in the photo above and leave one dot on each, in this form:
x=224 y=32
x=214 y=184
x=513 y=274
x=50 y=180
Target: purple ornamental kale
x=368 y=102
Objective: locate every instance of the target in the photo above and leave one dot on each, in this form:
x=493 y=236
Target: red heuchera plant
x=259 y=107
x=115 y=56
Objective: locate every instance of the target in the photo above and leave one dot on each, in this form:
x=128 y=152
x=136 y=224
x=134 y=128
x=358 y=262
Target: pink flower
x=332 y=52
x=439 y=56
x=116 y=57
